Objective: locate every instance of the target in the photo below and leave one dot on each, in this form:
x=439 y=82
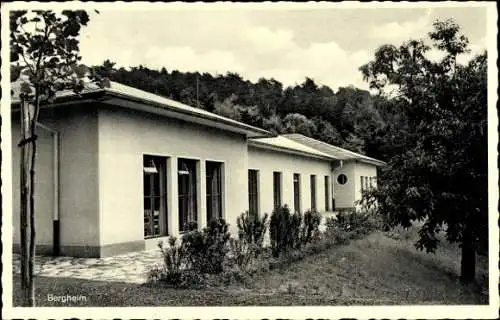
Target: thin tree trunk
x=468 y=263
x=28 y=221
x=33 y=137
x=24 y=210
x=32 y=220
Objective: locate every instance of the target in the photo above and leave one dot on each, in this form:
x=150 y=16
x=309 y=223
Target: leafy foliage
x=310 y=228
x=352 y=224
x=174 y=271
x=206 y=250
x=280 y=230
x=290 y=232
x=45 y=53
x=252 y=228
x=249 y=245
x=439 y=174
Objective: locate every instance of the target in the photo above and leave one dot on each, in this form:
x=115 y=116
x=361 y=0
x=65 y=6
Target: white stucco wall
x=345 y=193
x=125 y=136
x=44 y=185
x=267 y=161
x=78 y=177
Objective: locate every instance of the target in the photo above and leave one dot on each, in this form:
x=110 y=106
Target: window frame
x=277 y=189
x=253 y=192
x=296 y=193
x=156 y=174
x=327 y=193
x=342 y=175
x=191 y=197
x=314 y=205
x=218 y=195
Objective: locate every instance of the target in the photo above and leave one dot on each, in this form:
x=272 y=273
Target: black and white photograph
x=250 y=160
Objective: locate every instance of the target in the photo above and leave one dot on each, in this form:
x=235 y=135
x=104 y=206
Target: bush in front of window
x=174 y=272
x=252 y=229
x=206 y=250
x=310 y=228
x=279 y=226
x=249 y=244
x=285 y=230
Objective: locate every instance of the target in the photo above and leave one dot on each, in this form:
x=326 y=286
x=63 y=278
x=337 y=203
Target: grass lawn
x=376 y=270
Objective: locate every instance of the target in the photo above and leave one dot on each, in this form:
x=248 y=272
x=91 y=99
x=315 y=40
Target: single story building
x=352 y=174
x=119 y=169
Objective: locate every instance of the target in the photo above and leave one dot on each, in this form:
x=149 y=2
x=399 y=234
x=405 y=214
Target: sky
x=328 y=44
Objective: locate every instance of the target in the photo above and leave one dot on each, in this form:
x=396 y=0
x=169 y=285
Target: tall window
x=214 y=190
x=155 y=196
x=313 y=192
x=277 y=189
x=327 y=193
x=363 y=183
x=296 y=192
x=188 y=211
x=253 y=192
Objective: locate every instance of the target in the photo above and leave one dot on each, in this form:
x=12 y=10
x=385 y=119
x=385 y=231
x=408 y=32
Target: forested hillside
x=349 y=118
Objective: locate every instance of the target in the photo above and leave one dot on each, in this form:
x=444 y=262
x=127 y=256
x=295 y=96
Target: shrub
x=174 y=259
x=241 y=253
x=295 y=231
x=278 y=229
x=231 y=276
x=310 y=229
x=284 y=230
x=339 y=234
x=174 y=270
x=206 y=250
x=252 y=230
x=352 y=224
x=292 y=231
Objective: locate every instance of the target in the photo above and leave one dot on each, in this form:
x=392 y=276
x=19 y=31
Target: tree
x=44 y=60
x=273 y=124
x=228 y=108
x=440 y=175
x=298 y=123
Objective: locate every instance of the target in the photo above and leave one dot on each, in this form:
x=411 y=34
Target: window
x=366 y=183
x=188 y=211
x=155 y=196
x=296 y=192
x=342 y=179
x=327 y=193
x=313 y=192
x=277 y=189
x=214 y=190
x=253 y=192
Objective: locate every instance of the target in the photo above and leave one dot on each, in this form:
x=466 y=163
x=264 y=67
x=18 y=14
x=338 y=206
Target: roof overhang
x=131 y=102
x=334 y=151
x=152 y=107
x=374 y=162
x=265 y=146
